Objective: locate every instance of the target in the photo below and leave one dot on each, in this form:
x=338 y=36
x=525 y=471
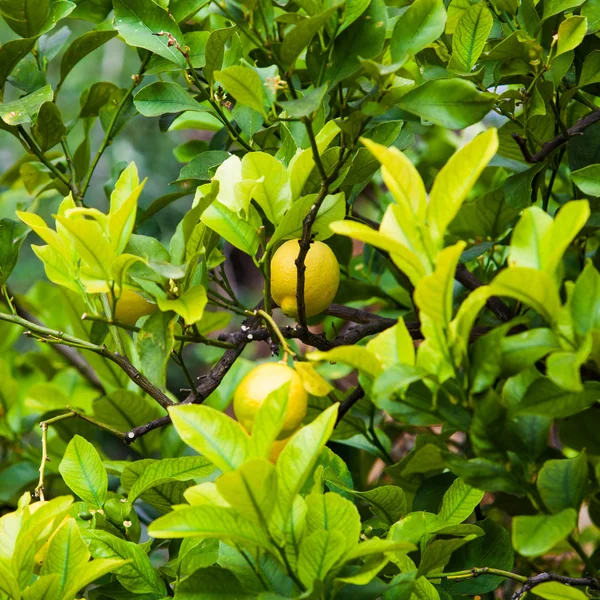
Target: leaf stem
x=286 y=347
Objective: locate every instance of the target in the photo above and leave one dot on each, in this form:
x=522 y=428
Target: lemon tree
x=311 y=299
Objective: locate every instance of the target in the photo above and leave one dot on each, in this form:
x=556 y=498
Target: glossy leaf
x=244 y=85
x=163 y=97
x=536 y=535
x=25 y=109
x=470 y=35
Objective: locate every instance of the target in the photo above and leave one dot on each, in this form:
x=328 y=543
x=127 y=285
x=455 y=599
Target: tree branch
x=531 y=582
x=559 y=140
x=345 y=406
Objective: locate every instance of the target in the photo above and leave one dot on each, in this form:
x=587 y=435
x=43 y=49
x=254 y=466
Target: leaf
x=357 y=357
x=536 y=535
x=219 y=438
x=241 y=233
x=139 y=20
x=299 y=37
x=163 y=97
x=200 y=166
x=93 y=571
x=82 y=46
x=493 y=549
x=273 y=193
x=570 y=34
x=210 y=522
x=297 y=460
x=470 y=35
x=268 y=421
x=67 y=554
x=44 y=588
x=555 y=7
x=184 y=468
x=456 y=179
x=333 y=208
x=190 y=305
x=420 y=25
x=438 y=553
x=306 y=105
x=452 y=103
x=543 y=397
x=244 y=85
x=83 y=471
x=459 y=502
x=49 y=127
x=138 y=575
x=590 y=71
x=553 y=590
x=562 y=483
x=251 y=489
x=11 y=53
x=216 y=583
x=25 y=109
x=319 y=552
x=24 y=17
x=332 y=512
x=588 y=178
x=12 y=236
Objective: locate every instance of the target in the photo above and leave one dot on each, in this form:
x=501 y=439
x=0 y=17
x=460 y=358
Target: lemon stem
x=286 y=348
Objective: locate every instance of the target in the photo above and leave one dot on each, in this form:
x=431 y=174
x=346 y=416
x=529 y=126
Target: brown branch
x=349 y=402
x=468 y=280
x=559 y=140
x=590 y=582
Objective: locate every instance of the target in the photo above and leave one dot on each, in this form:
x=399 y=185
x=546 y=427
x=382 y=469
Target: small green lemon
x=131 y=306
x=321 y=278
x=258 y=384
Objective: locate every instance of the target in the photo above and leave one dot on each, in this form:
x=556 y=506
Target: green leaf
x=420 y=25
x=216 y=583
x=494 y=549
x=552 y=590
x=11 y=53
x=138 y=575
x=306 y=105
x=190 y=305
x=82 y=46
x=210 y=432
x=590 y=72
x=332 y=209
x=139 y=20
x=459 y=502
x=44 y=588
x=332 y=512
x=241 y=233
x=244 y=85
x=297 y=460
x=25 y=109
x=185 y=468
x=49 y=127
x=438 y=553
x=163 y=97
x=67 y=554
x=202 y=167
x=93 y=570
x=319 y=552
x=273 y=194
x=357 y=357
x=12 y=236
x=153 y=344
x=452 y=103
x=25 y=17
x=588 y=178
x=544 y=397
x=298 y=38
x=456 y=179
x=251 y=489
x=563 y=483
x=83 y=471
x=470 y=35
x=570 y=34
x=210 y=522
x=536 y=535
x=555 y=7
x=268 y=421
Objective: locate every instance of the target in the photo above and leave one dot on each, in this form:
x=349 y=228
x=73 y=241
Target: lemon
x=278 y=446
x=258 y=384
x=321 y=278
x=131 y=306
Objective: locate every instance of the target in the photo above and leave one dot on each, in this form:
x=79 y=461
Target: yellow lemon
x=321 y=278
x=277 y=447
x=131 y=306
x=258 y=384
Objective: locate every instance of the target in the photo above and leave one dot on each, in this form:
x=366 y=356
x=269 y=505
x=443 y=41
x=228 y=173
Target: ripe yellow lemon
x=131 y=306
x=258 y=384
x=321 y=278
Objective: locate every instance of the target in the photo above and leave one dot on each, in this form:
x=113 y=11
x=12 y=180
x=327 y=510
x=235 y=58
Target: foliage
x=447 y=152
